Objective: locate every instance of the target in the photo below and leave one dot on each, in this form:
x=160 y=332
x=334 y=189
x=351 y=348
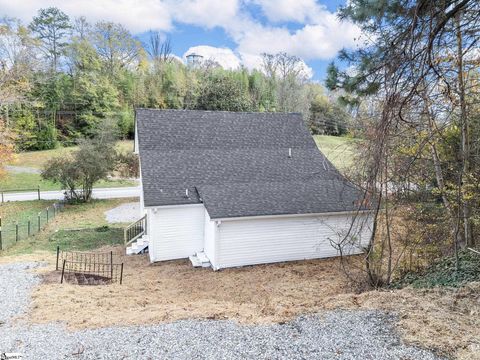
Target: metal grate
x=89 y=268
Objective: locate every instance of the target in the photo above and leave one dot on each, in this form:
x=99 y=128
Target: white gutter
x=151 y=207
x=293 y=215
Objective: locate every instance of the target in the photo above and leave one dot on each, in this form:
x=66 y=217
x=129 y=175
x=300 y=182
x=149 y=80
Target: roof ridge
x=221 y=111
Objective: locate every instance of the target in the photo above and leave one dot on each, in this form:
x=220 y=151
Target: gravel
x=15 y=285
x=333 y=335
x=125 y=213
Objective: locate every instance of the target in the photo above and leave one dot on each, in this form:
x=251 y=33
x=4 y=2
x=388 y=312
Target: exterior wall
x=135 y=140
x=211 y=232
x=267 y=240
x=175 y=232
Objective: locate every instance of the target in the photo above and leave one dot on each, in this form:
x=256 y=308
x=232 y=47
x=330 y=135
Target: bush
x=128 y=165
x=444 y=272
x=94 y=160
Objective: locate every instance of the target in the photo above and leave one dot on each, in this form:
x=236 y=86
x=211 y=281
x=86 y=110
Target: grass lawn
x=339 y=150
x=78 y=227
x=21 y=211
x=36 y=159
x=14 y=181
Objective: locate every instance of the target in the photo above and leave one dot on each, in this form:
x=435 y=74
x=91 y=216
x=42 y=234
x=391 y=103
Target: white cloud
x=137 y=16
x=320 y=34
x=207 y=13
x=314 y=41
x=290 y=10
x=228 y=59
x=225 y=57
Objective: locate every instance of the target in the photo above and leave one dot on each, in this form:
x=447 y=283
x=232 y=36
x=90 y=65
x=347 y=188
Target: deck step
x=200 y=260
x=137 y=247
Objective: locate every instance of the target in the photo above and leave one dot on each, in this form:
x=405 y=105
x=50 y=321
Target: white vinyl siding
x=175 y=232
x=267 y=240
x=210 y=235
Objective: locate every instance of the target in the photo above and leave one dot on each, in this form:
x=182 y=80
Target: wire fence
x=88 y=268
x=12 y=233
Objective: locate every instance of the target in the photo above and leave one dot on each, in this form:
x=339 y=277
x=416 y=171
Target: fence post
x=58 y=255
x=39 y=214
x=63 y=271
x=111 y=265
x=1 y=245
x=38 y=191
x=121 y=274
x=28 y=225
x=47 y=215
x=54 y=210
x=16 y=231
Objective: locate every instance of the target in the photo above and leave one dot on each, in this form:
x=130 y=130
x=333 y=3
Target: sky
x=231 y=32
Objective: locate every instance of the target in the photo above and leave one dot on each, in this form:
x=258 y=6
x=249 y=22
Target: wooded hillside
x=60 y=78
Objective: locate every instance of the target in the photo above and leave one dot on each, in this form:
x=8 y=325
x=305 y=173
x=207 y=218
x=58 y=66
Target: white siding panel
x=257 y=241
x=175 y=232
x=210 y=232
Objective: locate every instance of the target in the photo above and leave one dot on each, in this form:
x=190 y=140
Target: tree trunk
x=437 y=165
x=465 y=152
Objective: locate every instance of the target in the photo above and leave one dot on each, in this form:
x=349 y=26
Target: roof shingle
x=238 y=162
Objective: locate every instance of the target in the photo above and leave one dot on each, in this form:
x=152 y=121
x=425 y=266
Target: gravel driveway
x=125 y=213
x=333 y=335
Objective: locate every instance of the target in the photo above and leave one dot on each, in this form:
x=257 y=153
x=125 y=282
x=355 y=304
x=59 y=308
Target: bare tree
x=17 y=60
x=82 y=27
x=287 y=75
x=159 y=48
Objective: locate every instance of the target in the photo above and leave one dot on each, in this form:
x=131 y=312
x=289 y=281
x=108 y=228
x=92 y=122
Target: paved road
x=100 y=193
x=22 y=169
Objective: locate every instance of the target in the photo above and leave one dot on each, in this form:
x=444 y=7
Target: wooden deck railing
x=135 y=230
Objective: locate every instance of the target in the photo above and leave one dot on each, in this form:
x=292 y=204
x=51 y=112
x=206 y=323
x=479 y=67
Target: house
x=231 y=189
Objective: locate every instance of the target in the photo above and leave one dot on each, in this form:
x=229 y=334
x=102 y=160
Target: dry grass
x=174 y=290
x=446 y=320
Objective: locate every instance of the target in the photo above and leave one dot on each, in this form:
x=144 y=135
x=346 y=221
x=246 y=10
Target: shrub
x=94 y=160
x=128 y=165
x=445 y=272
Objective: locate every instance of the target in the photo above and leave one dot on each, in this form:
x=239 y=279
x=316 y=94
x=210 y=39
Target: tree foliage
x=415 y=87
x=66 y=77
x=6 y=147
x=77 y=173
x=51 y=27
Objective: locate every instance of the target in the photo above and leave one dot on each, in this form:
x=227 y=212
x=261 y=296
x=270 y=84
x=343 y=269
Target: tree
x=115 y=46
x=221 y=91
x=6 y=147
x=17 y=61
x=51 y=27
x=82 y=28
x=77 y=173
x=287 y=76
x=327 y=118
x=416 y=74
x=159 y=49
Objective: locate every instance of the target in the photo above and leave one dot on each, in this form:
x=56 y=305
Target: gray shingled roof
x=237 y=164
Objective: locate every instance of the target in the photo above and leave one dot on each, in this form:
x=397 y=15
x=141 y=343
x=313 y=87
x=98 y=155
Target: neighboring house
x=240 y=189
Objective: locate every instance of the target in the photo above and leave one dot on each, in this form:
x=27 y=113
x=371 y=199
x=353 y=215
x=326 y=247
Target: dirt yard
x=445 y=320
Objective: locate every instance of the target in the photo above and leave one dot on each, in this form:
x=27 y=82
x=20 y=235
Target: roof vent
x=289 y=152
